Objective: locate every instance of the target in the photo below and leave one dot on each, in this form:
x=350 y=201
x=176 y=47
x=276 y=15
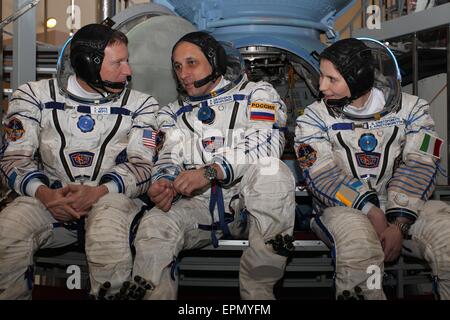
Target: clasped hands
x=70 y=202
x=163 y=191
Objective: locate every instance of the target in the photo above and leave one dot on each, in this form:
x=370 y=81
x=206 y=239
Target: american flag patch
x=262 y=111
x=149 y=138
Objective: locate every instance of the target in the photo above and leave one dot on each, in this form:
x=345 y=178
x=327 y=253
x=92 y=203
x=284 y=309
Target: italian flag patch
x=431 y=145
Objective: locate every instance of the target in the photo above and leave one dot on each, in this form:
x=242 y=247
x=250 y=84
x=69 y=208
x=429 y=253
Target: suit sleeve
x=414 y=180
x=325 y=179
x=170 y=156
x=19 y=169
x=263 y=136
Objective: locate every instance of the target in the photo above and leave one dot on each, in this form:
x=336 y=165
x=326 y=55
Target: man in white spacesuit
x=77 y=146
x=221 y=157
x=369 y=154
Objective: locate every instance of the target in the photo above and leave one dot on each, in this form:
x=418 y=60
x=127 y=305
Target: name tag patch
x=220 y=100
x=100 y=110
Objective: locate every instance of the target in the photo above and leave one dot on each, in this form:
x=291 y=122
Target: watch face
x=210 y=173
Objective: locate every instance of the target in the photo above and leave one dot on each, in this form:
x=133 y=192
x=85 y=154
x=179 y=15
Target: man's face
x=332 y=84
x=115 y=67
x=190 y=64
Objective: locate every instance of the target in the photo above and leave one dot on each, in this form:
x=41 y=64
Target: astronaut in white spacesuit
x=221 y=157
x=77 y=146
x=370 y=155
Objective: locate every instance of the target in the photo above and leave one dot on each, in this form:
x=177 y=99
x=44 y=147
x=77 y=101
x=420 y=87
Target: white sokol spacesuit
x=240 y=134
x=89 y=143
x=382 y=155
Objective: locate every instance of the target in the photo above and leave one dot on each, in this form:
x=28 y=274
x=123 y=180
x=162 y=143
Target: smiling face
x=115 y=67
x=332 y=84
x=190 y=64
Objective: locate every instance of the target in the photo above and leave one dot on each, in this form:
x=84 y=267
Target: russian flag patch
x=260 y=111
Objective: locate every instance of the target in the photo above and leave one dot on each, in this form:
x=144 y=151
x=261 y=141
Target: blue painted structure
x=291 y=25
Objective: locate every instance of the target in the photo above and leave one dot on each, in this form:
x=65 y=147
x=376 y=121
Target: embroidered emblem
x=262 y=111
x=306 y=155
x=346 y=195
x=368 y=160
x=431 y=145
x=151 y=138
x=14 y=130
x=212 y=144
x=81 y=159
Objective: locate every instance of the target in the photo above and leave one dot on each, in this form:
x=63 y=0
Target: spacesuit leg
x=430 y=240
x=107 y=241
x=25 y=227
x=356 y=249
x=161 y=236
x=268 y=193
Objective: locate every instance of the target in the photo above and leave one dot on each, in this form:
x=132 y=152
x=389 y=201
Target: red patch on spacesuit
x=368 y=159
x=81 y=159
x=211 y=144
x=14 y=130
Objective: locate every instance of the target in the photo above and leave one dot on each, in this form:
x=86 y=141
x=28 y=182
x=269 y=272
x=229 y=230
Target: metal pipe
x=105 y=9
x=45 y=19
x=268 y=21
x=415 y=65
x=20 y=11
x=24 y=45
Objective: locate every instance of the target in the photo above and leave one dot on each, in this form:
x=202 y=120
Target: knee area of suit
x=160 y=223
x=16 y=222
x=116 y=201
x=271 y=170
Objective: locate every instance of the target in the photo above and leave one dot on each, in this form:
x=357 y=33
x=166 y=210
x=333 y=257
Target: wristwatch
x=404 y=228
x=210 y=173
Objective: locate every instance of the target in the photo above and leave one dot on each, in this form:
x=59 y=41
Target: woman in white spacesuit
x=369 y=154
x=221 y=157
x=88 y=129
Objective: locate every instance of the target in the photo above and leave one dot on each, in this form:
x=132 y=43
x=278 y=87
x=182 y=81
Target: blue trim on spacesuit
x=30 y=176
x=112 y=176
